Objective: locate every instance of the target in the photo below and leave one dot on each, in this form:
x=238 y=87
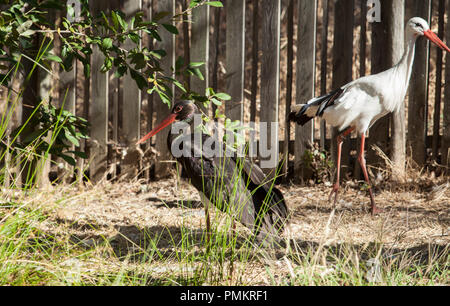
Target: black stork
x=234 y=185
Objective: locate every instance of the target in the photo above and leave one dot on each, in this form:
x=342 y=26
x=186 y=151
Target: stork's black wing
x=268 y=199
x=237 y=187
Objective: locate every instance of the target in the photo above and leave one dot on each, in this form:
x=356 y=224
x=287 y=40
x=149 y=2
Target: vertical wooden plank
x=45 y=93
x=362 y=68
x=98 y=108
x=289 y=79
x=255 y=52
x=395 y=50
x=235 y=56
x=270 y=80
x=186 y=40
x=418 y=96
x=363 y=39
x=446 y=124
x=29 y=101
x=216 y=51
x=162 y=110
x=306 y=67
x=68 y=91
x=342 y=62
x=131 y=117
x=379 y=132
x=324 y=67
x=438 y=96
x=199 y=50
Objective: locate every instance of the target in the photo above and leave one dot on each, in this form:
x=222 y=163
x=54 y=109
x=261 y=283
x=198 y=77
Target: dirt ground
x=413 y=218
x=409 y=217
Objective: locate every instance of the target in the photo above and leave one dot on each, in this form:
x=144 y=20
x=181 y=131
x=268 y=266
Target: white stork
x=357 y=105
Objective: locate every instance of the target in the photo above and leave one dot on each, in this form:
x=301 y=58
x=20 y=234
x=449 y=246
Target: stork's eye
x=419 y=25
x=178 y=109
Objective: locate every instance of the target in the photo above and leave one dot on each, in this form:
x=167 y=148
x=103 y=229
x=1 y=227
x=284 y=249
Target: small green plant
x=317 y=165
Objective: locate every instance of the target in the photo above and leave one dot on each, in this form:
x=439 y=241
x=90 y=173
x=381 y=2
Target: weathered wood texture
x=439 y=85
x=324 y=67
x=162 y=110
x=379 y=132
x=255 y=57
x=342 y=62
x=418 y=94
x=131 y=117
x=306 y=59
x=235 y=56
x=395 y=48
x=446 y=113
x=199 y=50
x=289 y=84
x=270 y=78
x=98 y=108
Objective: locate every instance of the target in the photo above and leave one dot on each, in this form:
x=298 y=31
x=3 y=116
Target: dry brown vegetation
x=131 y=229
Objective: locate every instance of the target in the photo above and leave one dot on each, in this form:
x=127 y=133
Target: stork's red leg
x=340 y=140
x=362 y=161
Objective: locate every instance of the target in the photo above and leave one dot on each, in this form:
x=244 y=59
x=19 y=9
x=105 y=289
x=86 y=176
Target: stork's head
x=419 y=27
x=182 y=111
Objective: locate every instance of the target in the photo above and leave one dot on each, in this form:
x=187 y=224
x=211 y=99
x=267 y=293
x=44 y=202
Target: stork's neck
x=406 y=63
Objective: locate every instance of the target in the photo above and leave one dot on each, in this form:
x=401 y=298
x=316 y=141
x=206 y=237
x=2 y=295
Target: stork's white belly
x=358 y=108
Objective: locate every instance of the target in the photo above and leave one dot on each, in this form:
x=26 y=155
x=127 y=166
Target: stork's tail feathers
x=303 y=113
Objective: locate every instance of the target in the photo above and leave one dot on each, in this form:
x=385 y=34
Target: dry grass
x=128 y=232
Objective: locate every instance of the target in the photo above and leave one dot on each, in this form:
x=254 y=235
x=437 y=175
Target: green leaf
x=223 y=96
x=216 y=102
x=107 y=43
x=107 y=64
x=27 y=33
x=197 y=73
x=134 y=37
x=196 y=64
x=194 y=3
x=140 y=80
x=164 y=98
x=54 y=58
x=214 y=3
x=171 y=28
x=70 y=137
x=68 y=159
x=138 y=60
x=154 y=34
x=115 y=20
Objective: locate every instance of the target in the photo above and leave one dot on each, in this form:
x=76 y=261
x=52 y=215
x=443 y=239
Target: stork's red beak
x=168 y=121
x=434 y=38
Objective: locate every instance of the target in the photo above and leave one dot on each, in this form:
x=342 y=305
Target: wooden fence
x=269 y=54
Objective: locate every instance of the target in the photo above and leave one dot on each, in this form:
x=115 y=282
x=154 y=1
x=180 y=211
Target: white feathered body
x=369 y=98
